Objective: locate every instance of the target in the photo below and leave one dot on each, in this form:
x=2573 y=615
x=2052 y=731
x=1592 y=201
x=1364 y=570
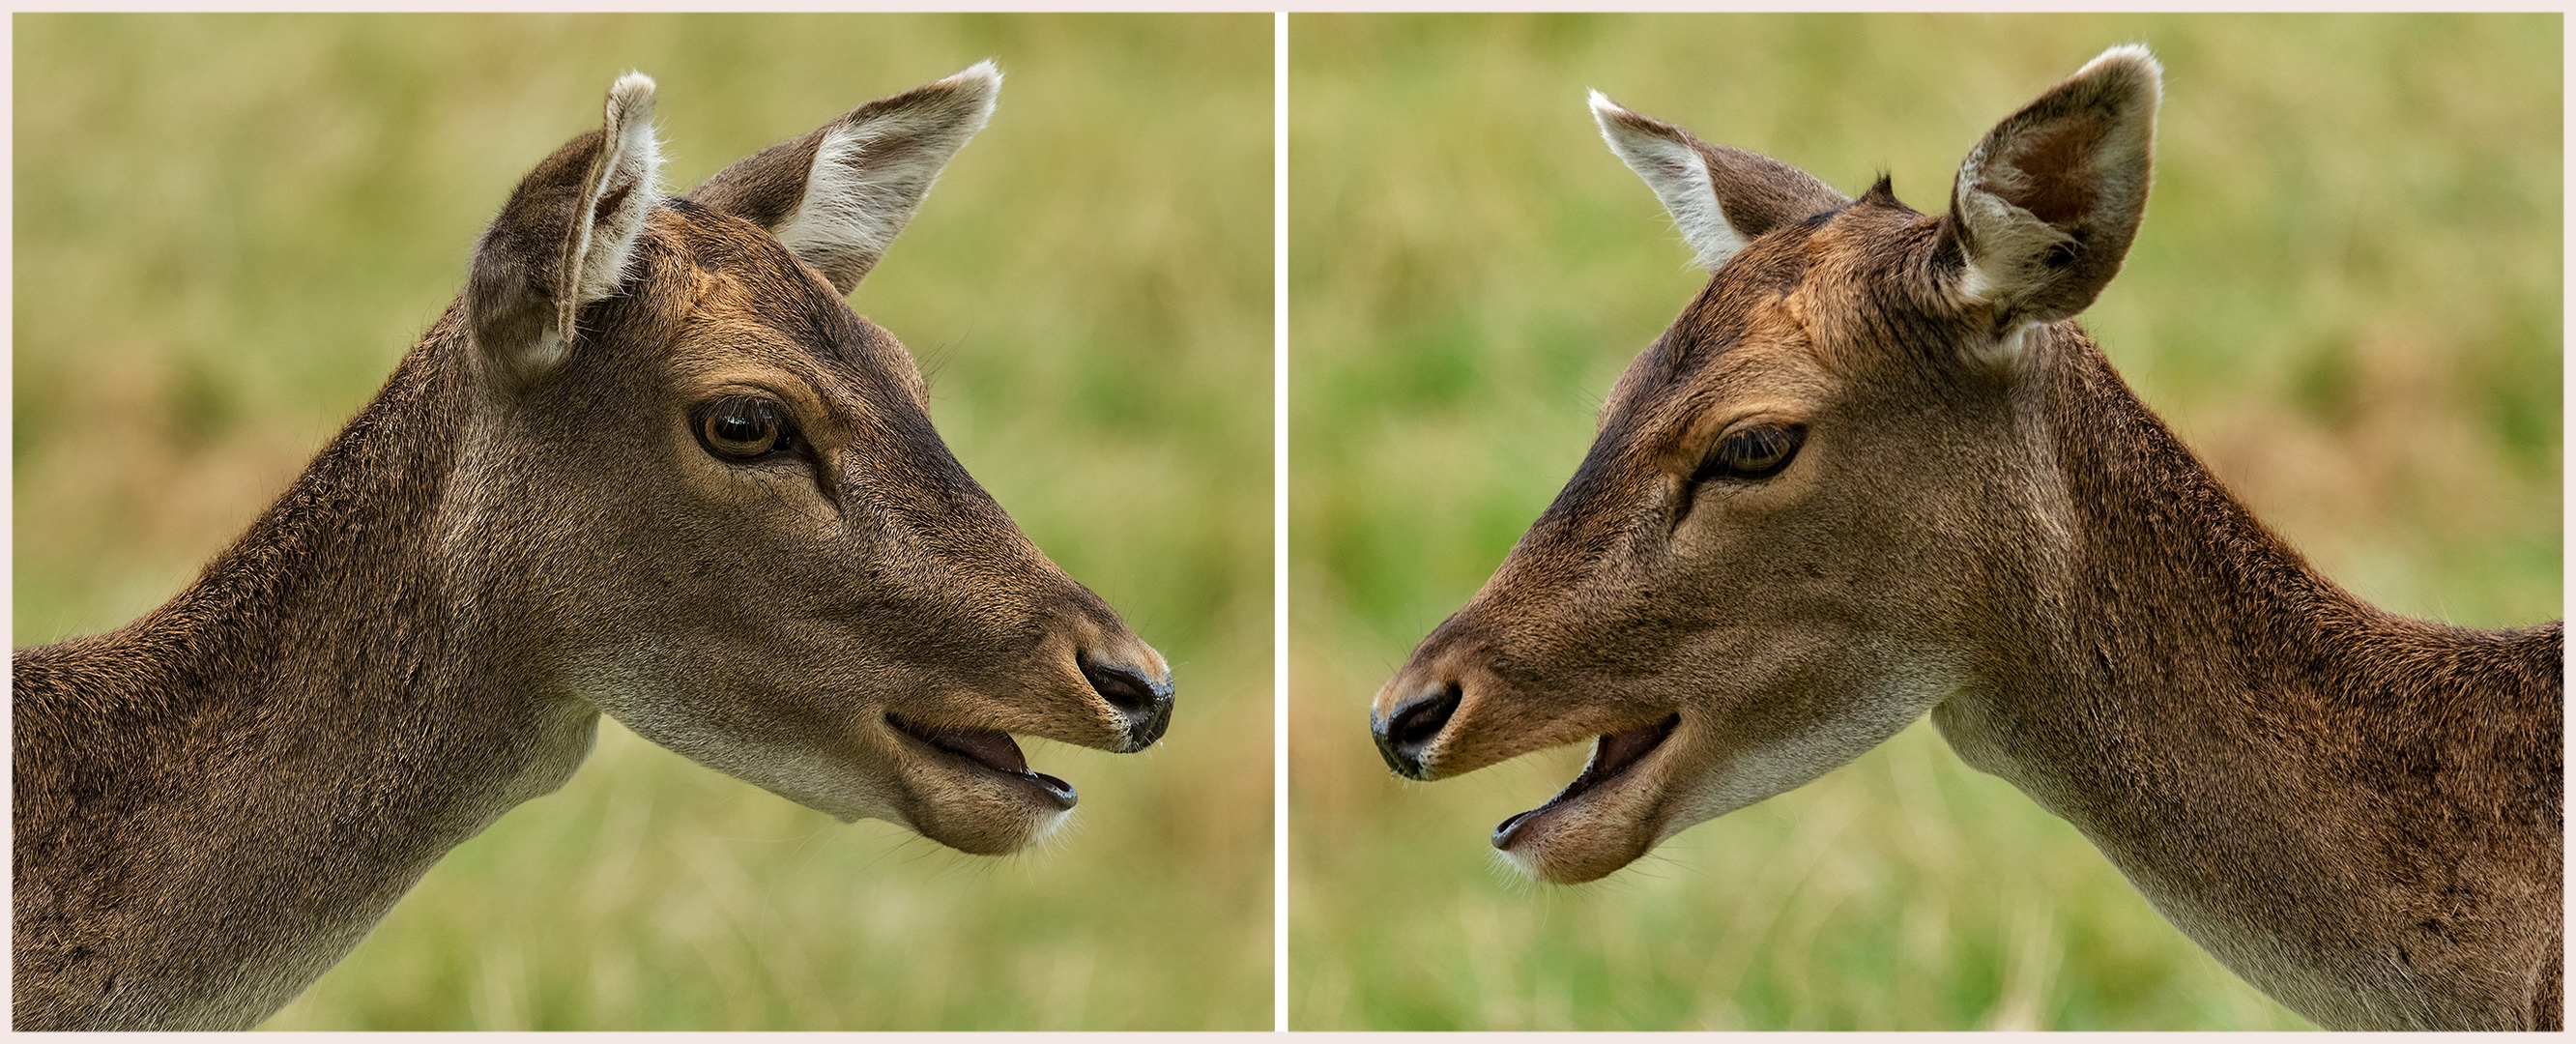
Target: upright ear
x=2045 y=207
x=566 y=238
x=1721 y=198
x=837 y=196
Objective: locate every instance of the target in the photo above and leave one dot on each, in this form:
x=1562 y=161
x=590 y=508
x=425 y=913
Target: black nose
x=1146 y=702
x=1404 y=733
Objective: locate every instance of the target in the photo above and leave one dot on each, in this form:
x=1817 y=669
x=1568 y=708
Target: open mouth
x=1612 y=756
x=991 y=751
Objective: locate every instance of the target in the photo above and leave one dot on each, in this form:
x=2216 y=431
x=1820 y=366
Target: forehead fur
x=748 y=291
x=1846 y=290
x=1747 y=308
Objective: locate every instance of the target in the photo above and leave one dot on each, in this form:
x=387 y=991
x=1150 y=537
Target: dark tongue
x=1618 y=750
x=995 y=749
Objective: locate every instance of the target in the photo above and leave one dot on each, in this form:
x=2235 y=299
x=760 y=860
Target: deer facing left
x=649 y=463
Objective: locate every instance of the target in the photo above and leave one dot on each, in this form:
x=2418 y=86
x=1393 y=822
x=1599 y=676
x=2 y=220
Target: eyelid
x=806 y=402
x=1790 y=436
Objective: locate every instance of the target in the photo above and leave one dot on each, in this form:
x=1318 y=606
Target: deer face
x=1778 y=551
x=731 y=524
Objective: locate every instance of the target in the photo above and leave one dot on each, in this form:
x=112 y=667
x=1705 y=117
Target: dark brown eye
x=1757 y=452
x=742 y=427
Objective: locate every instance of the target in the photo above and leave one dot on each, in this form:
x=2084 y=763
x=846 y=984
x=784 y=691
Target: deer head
x=1812 y=506
x=705 y=497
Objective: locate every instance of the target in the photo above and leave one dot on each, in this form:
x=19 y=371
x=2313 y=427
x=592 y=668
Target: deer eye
x=1758 y=452
x=742 y=427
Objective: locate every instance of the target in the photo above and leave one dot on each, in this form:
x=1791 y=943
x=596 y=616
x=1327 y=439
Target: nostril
x=1124 y=687
x=1146 y=702
x=1413 y=725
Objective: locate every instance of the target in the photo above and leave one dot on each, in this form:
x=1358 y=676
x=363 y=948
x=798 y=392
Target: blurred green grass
x=2346 y=297
x=230 y=227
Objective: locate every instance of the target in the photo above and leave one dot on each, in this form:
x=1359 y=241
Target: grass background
x=2346 y=297
x=229 y=228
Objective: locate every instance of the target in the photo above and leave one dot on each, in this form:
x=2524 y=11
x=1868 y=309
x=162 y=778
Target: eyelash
x=1752 y=454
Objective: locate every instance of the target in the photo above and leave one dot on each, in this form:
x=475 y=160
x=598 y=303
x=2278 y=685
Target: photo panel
x=231 y=228
x=2345 y=300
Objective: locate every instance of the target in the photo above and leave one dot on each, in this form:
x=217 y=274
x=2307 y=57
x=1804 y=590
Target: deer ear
x=1720 y=198
x=2045 y=207
x=837 y=196
x=566 y=238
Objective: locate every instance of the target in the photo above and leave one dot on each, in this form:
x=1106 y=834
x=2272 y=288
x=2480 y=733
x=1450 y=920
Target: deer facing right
x=1874 y=471
x=649 y=464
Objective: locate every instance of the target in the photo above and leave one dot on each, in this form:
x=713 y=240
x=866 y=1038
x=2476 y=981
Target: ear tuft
x=2131 y=61
x=1720 y=198
x=837 y=196
x=2045 y=207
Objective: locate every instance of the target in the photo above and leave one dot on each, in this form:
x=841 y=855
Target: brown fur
x=2358 y=812
x=215 y=802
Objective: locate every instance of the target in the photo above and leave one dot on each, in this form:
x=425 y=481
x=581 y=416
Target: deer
x=648 y=464
x=1875 y=470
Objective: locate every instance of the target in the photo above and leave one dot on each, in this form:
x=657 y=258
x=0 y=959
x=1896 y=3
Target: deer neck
x=2150 y=621
x=2240 y=736
x=349 y=608
x=342 y=635
x=316 y=720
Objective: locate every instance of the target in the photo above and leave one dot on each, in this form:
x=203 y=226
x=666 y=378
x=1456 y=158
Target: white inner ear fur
x=1679 y=177
x=550 y=349
x=869 y=177
x=2010 y=241
x=2006 y=346
x=603 y=245
x=2009 y=262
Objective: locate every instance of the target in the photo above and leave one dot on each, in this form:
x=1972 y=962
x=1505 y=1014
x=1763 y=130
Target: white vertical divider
x=1279 y=522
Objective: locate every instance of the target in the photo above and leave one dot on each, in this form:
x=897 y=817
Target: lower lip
x=1507 y=833
x=1057 y=789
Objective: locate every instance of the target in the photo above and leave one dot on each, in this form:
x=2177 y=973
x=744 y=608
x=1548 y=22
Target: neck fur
x=2283 y=769
x=313 y=718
